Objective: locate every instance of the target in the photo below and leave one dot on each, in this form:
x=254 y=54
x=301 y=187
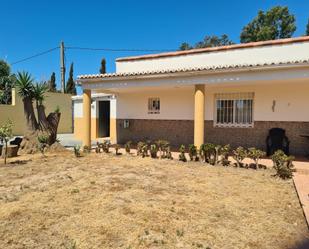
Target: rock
x=11 y=151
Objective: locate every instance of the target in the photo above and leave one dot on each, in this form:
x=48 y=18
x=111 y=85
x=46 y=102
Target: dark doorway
x=104 y=118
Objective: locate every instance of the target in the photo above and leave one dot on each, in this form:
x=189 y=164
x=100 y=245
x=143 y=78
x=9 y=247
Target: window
x=234 y=110
x=153 y=106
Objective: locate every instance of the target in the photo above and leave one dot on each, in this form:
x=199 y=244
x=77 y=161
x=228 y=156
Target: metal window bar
x=234 y=109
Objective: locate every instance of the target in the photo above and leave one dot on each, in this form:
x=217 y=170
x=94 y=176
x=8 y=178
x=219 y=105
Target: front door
x=104 y=118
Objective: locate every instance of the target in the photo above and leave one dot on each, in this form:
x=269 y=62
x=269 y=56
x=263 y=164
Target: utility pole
x=62 y=67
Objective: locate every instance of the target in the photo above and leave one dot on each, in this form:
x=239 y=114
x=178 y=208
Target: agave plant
x=24 y=84
x=39 y=91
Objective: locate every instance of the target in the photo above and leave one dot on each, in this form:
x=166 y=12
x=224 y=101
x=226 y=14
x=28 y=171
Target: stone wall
x=181 y=132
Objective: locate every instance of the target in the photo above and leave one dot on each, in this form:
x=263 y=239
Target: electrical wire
x=34 y=56
x=91 y=49
x=120 y=49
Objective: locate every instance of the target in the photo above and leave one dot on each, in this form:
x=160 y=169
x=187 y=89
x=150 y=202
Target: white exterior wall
x=253 y=55
x=178 y=103
x=78 y=107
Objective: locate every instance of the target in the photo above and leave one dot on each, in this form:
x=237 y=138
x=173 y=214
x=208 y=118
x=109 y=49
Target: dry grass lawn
x=103 y=201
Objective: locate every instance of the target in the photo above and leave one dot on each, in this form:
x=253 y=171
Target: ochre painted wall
x=15 y=112
x=79 y=129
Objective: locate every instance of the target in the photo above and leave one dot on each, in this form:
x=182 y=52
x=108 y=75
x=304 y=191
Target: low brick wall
x=181 y=132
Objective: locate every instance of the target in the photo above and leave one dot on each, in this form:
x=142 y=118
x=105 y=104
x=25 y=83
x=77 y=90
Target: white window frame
x=154 y=109
x=234 y=97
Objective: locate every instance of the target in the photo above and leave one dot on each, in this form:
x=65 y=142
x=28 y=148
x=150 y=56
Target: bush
x=255 y=154
x=163 y=147
x=153 y=151
x=193 y=152
x=77 y=152
x=239 y=155
x=128 y=146
x=209 y=153
x=224 y=153
x=142 y=149
x=117 y=148
x=43 y=141
x=182 y=156
x=283 y=164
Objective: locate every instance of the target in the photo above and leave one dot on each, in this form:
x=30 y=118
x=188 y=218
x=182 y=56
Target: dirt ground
x=107 y=201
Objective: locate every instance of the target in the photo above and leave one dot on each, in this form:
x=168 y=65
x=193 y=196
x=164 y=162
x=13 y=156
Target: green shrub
x=193 y=152
x=142 y=149
x=43 y=142
x=117 y=148
x=86 y=149
x=283 y=164
x=6 y=133
x=182 y=156
x=153 y=151
x=128 y=146
x=255 y=154
x=224 y=154
x=168 y=153
x=105 y=146
x=77 y=152
x=208 y=153
x=239 y=155
x=162 y=146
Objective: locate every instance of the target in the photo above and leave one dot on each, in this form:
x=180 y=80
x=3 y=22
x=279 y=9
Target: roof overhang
x=235 y=75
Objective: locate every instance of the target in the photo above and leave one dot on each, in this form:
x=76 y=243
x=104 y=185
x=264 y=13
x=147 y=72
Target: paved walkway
x=301 y=181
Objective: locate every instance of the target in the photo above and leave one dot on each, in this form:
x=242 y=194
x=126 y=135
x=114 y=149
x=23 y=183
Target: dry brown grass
x=104 y=201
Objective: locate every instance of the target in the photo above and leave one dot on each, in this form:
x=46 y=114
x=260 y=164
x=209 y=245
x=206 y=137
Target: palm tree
x=25 y=89
x=39 y=91
x=47 y=125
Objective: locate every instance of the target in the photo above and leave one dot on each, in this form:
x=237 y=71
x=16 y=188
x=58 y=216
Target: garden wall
x=15 y=112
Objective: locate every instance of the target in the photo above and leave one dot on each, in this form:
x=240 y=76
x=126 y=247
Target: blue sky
x=29 y=27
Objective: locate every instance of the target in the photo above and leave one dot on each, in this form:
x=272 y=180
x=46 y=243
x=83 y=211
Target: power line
x=120 y=49
x=33 y=56
x=92 y=49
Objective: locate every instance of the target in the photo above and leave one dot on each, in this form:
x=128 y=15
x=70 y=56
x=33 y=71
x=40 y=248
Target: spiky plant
x=39 y=91
x=24 y=84
x=182 y=156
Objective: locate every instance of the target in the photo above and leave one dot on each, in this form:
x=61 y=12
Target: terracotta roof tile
x=194 y=69
x=212 y=49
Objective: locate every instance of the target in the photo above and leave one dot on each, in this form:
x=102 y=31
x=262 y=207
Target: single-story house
x=225 y=95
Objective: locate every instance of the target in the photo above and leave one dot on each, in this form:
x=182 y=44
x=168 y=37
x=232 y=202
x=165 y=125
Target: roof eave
x=186 y=73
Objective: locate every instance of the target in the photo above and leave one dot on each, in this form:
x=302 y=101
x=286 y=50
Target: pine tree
x=52 y=83
x=103 y=66
x=307 y=28
x=70 y=86
x=276 y=23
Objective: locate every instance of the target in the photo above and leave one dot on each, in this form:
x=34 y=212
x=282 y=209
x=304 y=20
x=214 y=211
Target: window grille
x=234 y=109
x=153 y=106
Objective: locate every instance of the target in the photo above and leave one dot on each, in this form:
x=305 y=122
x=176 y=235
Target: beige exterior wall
x=252 y=55
x=15 y=112
x=290 y=102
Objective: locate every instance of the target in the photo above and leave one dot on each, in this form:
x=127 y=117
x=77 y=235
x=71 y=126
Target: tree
x=185 y=46
x=7 y=81
x=70 y=86
x=307 y=28
x=42 y=124
x=208 y=41
x=6 y=134
x=276 y=23
x=52 y=87
x=103 y=66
